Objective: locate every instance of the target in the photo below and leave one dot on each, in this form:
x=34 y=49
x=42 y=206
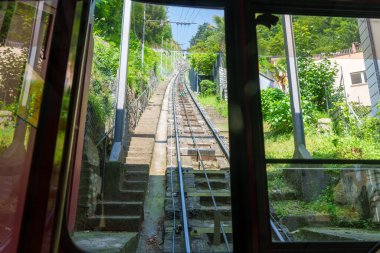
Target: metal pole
x=166 y=58
x=143 y=39
x=122 y=82
x=300 y=150
x=162 y=48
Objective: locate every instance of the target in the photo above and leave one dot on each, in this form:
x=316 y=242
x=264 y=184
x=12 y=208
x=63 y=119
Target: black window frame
x=320 y=8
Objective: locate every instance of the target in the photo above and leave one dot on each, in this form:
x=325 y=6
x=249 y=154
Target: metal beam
x=122 y=83
x=300 y=150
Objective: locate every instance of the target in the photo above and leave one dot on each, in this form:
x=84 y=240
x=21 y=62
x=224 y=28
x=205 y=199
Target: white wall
x=348 y=64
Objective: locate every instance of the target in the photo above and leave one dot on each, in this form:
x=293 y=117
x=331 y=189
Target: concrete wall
x=347 y=64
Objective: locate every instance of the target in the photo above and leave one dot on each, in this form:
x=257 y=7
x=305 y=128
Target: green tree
x=206 y=44
x=204 y=31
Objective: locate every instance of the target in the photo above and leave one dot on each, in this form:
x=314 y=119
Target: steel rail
x=205 y=173
x=180 y=173
x=226 y=152
x=171 y=186
x=282 y=237
x=222 y=144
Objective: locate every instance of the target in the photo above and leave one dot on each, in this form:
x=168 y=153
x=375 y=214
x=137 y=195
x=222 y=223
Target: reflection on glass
x=24 y=36
x=325 y=202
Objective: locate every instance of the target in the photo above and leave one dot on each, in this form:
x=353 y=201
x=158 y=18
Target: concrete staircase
x=125 y=183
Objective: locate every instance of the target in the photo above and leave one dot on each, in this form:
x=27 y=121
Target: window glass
x=318 y=103
x=134 y=191
x=25 y=29
x=328 y=116
x=356 y=78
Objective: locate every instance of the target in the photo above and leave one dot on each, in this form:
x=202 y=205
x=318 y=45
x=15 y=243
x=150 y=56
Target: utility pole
x=122 y=78
x=143 y=39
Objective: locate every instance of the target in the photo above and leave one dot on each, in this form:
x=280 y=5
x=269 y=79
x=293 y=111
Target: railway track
x=198 y=202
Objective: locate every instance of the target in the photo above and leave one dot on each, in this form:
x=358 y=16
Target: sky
x=183 y=33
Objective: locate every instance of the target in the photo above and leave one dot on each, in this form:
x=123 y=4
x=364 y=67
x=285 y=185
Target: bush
x=277 y=112
x=317 y=82
x=208 y=88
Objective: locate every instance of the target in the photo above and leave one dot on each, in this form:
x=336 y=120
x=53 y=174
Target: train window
x=320 y=129
x=154 y=170
x=25 y=29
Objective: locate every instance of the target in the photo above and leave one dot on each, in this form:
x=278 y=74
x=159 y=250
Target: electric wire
x=196 y=15
x=192 y=13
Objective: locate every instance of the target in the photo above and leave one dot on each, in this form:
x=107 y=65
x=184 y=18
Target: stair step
x=126 y=195
x=138 y=160
x=135 y=176
x=119 y=208
x=134 y=185
x=136 y=167
x=115 y=223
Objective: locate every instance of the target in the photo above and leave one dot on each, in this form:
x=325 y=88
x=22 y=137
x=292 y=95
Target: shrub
x=317 y=82
x=208 y=88
x=277 y=112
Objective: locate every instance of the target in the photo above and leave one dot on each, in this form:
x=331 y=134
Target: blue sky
x=181 y=33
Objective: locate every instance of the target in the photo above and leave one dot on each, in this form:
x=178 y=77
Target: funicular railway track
x=197 y=206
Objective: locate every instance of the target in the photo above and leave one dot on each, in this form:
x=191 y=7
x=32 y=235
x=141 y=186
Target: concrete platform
x=110 y=242
x=339 y=234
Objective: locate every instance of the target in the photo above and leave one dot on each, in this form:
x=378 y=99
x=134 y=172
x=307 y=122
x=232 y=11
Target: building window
x=358 y=77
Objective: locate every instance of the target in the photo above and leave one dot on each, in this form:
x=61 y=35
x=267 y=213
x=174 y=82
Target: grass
x=219 y=104
x=322 y=146
x=6 y=136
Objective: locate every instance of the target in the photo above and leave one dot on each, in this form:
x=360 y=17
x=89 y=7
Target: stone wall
x=90 y=183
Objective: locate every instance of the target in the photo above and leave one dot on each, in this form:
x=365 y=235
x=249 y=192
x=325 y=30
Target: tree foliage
x=108 y=21
x=204 y=31
x=107 y=30
x=313 y=35
x=206 y=44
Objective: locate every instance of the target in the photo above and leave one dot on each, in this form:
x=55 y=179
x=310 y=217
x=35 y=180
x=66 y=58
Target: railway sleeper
x=206 y=236
x=204 y=152
x=195 y=210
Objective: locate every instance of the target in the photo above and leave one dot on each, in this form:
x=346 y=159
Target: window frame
x=292 y=7
x=248 y=175
x=362 y=78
